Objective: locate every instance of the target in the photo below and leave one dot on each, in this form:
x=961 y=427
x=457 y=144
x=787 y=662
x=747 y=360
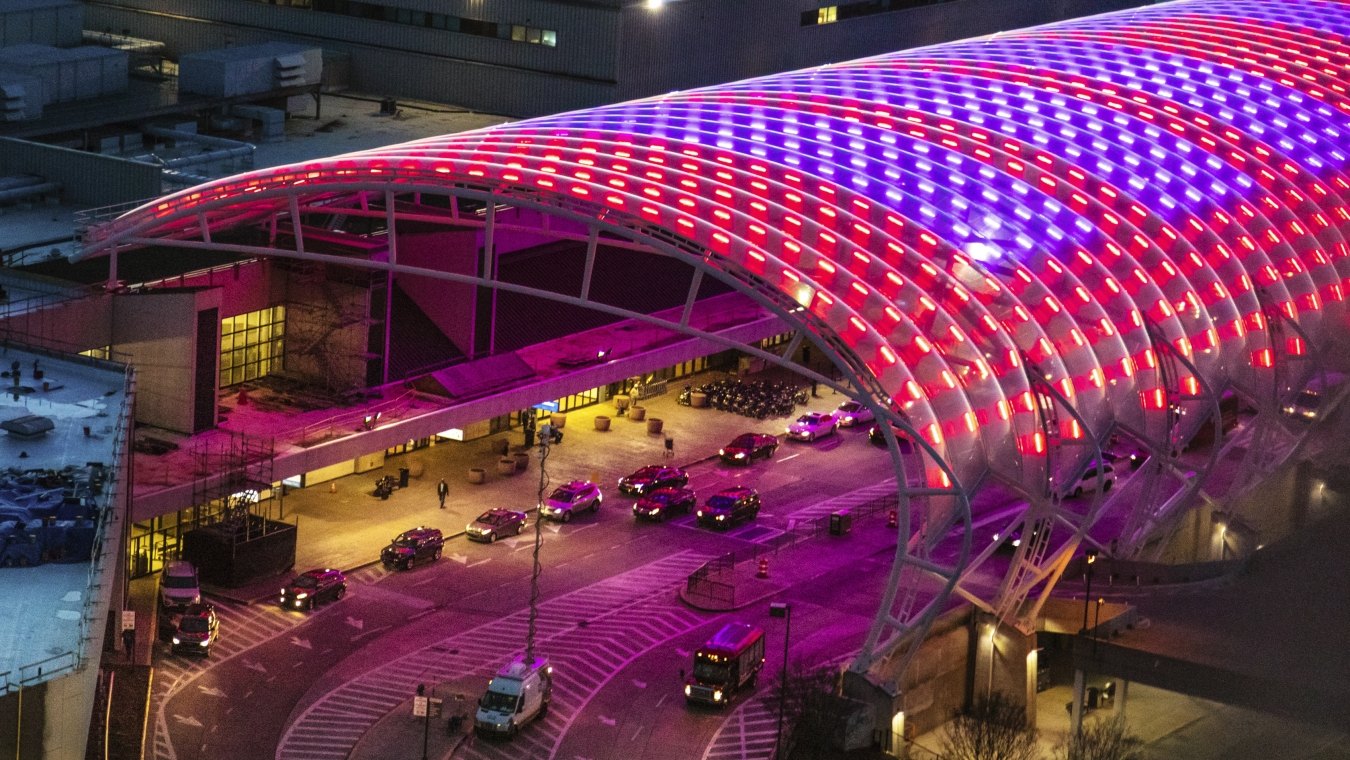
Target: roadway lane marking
x=789 y=456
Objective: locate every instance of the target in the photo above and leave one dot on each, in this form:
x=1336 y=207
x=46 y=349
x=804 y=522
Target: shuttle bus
x=727 y=663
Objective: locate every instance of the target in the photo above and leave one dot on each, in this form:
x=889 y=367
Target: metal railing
x=350 y=422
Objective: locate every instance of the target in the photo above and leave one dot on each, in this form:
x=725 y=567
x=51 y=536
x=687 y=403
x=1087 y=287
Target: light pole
x=782 y=610
x=1091 y=556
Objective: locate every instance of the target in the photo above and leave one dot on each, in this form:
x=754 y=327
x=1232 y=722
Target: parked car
x=1016 y=534
x=852 y=413
x=747 y=447
x=198 y=629
x=1306 y=405
x=178 y=586
x=1089 y=482
x=652 y=477
x=570 y=498
x=410 y=547
x=495 y=523
x=730 y=506
x=812 y=425
x=311 y=587
x=878 y=438
x=664 y=502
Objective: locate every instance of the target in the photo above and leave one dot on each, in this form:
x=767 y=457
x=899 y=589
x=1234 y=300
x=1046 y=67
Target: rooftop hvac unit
x=14 y=102
x=289 y=70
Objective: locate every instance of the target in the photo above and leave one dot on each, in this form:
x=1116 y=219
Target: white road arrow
x=188 y=721
x=462 y=559
x=357 y=624
x=302 y=643
x=603 y=719
x=258 y=666
x=211 y=691
x=639 y=684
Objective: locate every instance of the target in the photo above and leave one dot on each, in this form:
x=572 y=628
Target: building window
x=843 y=11
x=827 y=15
x=408 y=17
x=251 y=345
x=103 y=352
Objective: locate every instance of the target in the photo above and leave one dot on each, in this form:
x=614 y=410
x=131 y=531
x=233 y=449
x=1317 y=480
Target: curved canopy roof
x=1121 y=211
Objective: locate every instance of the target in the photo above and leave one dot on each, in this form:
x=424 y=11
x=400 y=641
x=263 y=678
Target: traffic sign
x=419 y=707
x=128 y=620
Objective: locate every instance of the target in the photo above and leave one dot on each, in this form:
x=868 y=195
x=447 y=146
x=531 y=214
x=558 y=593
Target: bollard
x=332 y=486
x=763 y=568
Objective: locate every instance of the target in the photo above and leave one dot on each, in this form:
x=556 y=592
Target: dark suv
x=314 y=586
x=410 y=547
x=198 y=630
x=652 y=477
x=731 y=505
x=664 y=502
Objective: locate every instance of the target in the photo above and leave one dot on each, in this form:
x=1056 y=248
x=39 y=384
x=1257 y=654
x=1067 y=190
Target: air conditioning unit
x=288 y=70
x=13 y=101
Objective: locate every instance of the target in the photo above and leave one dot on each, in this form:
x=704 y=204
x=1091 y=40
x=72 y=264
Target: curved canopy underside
x=1058 y=208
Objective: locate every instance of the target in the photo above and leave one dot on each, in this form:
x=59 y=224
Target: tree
x=814 y=715
x=1101 y=740
x=993 y=729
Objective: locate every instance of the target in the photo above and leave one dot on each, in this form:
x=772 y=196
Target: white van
x=519 y=694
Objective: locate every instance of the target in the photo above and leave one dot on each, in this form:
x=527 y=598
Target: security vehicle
x=311 y=587
x=571 y=498
x=747 y=447
x=728 y=506
x=652 y=477
x=811 y=426
x=198 y=630
x=664 y=502
x=517 y=695
x=852 y=413
x=725 y=665
x=178 y=586
x=495 y=523
x=411 y=547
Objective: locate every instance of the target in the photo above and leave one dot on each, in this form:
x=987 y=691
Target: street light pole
x=782 y=610
x=1091 y=556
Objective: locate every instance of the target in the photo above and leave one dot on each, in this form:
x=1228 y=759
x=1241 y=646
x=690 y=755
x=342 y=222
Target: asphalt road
x=289 y=684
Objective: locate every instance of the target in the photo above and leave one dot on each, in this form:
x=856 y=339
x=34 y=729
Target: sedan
x=812 y=425
x=747 y=447
x=664 y=502
x=495 y=523
x=198 y=629
x=652 y=477
x=852 y=413
x=571 y=498
x=312 y=587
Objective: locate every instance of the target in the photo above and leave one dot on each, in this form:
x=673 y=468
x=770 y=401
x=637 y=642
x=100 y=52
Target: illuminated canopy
x=1128 y=213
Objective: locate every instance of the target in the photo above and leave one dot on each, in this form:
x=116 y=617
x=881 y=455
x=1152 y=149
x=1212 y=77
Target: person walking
x=670 y=448
x=442 y=490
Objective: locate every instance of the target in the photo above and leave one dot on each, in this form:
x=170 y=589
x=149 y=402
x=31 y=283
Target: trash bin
x=841 y=522
x=403 y=473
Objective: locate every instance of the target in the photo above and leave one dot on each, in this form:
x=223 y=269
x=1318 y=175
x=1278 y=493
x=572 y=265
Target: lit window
x=827 y=15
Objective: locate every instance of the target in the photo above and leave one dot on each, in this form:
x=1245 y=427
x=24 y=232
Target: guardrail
x=346 y=423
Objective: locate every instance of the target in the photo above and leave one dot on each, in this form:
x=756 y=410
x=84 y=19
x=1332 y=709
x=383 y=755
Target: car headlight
x=688 y=690
x=740 y=455
x=717 y=695
x=700 y=513
x=721 y=517
x=204 y=642
x=301 y=595
x=722 y=452
x=176 y=641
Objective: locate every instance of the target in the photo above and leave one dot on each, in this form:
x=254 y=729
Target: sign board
x=420 y=707
x=128 y=620
x=547 y=406
x=435 y=707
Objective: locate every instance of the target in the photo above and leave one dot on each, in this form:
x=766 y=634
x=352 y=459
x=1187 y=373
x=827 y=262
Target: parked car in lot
x=571 y=498
x=1089 y=482
x=664 y=502
x=411 y=547
x=729 y=506
x=852 y=413
x=178 y=586
x=652 y=477
x=495 y=523
x=812 y=425
x=747 y=447
x=311 y=587
x=197 y=631
x=876 y=437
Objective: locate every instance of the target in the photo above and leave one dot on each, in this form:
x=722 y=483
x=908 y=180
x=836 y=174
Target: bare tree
x=1101 y=740
x=993 y=729
x=814 y=714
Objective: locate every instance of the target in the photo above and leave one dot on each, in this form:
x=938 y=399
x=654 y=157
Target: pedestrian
x=442 y=490
x=813 y=389
x=670 y=448
x=129 y=643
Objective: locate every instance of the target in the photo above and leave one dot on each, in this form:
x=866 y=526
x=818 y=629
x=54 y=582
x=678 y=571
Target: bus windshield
x=710 y=672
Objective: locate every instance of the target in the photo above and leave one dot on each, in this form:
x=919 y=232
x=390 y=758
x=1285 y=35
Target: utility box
x=249 y=69
x=841 y=522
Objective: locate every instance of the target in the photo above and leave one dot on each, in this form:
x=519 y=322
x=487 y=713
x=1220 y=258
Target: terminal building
x=1026 y=252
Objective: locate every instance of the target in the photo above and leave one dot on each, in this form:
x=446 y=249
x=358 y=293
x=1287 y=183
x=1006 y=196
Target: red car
x=749 y=446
